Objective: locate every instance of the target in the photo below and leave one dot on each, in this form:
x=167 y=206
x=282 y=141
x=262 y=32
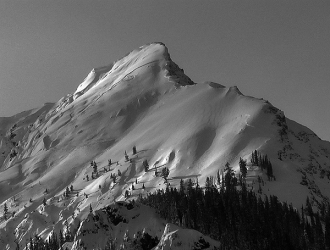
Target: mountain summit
x=62 y=160
x=151 y=60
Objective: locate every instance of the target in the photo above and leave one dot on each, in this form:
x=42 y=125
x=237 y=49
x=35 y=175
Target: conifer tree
x=242 y=166
x=190 y=186
x=256 y=158
x=229 y=177
x=145 y=165
x=165 y=173
x=269 y=170
x=218 y=178
x=126 y=156
x=95 y=167
x=208 y=184
x=67 y=192
x=252 y=158
x=5 y=211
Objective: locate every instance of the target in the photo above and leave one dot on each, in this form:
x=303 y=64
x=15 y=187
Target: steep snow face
x=144 y=100
x=13 y=129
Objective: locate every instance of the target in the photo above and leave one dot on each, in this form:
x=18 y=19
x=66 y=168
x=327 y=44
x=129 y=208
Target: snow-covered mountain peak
x=63 y=160
x=151 y=59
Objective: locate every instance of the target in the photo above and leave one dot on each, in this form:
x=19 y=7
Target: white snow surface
x=144 y=100
x=176 y=238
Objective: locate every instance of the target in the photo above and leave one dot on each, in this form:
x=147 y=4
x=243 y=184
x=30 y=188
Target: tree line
x=239 y=218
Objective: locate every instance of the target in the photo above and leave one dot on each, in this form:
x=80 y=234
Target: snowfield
x=143 y=100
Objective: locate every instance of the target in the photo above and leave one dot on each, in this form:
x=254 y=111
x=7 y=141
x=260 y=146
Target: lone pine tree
x=5 y=211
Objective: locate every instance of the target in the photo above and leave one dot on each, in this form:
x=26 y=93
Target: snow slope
x=144 y=100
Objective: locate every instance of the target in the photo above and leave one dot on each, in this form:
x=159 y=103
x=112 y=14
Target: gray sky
x=277 y=50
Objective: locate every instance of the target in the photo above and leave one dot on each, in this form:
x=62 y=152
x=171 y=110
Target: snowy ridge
x=125 y=68
x=123 y=223
x=143 y=100
x=93 y=77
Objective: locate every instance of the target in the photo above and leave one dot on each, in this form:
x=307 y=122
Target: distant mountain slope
x=144 y=100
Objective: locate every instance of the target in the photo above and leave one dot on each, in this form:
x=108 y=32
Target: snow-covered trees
x=140 y=240
x=264 y=162
x=53 y=242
